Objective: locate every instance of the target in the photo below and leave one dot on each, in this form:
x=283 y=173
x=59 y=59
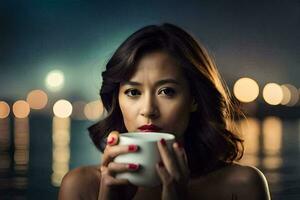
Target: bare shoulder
x=238 y=172
x=80 y=183
x=233 y=181
x=244 y=180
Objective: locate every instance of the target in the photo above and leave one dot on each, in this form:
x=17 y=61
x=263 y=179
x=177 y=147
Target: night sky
x=258 y=39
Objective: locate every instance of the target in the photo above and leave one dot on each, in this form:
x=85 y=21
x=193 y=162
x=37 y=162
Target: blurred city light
x=78 y=110
x=4 y=109
x=93 y=110
x=286 y=95
x=272 y=93
x=293 y=95
x=62 y=108
x=246 y=89
x=21 y=109
x=55 y=80
x=37 y=99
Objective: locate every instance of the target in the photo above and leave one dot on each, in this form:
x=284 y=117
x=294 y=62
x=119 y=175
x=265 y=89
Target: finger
x=114 y=168
x=113 y=151
x=117 y=181
x=168 y=159
x=181 y=158
x=113 y=138
x=163 y=174
x=109 y=180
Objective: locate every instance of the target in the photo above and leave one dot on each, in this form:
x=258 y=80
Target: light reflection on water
x=21 y=153
x=263 y=148
x=60 y=149
x=5 y=158
x=29 y=170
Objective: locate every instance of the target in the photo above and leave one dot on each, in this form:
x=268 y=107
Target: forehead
x=155 y=66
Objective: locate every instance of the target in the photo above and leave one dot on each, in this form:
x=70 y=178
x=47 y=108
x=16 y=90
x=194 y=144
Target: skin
x=154 y=94
x=147 y=101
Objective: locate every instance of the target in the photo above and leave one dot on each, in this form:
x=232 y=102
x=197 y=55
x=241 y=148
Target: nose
x=149 y=108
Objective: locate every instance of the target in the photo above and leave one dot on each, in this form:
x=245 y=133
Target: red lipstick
x=149 y=128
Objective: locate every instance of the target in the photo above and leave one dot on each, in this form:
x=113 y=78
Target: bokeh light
x=4 y=109
x=21 y=109
x=93 y=110
x=62 y=108
x=55 y=80
x=286 y=95
x=78 y=110
x=37 y=99
x=246 y=89
x=290 y=95
x=272 y=93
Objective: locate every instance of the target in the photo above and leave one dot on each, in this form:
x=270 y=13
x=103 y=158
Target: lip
x=149 y=128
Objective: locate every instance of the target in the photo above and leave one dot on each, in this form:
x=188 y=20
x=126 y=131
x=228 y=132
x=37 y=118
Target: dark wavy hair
x=211 y=136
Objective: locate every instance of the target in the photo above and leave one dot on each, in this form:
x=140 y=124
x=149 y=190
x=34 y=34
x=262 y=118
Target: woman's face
x=157 y=94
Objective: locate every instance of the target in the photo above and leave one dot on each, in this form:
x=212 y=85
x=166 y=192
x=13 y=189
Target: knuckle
x=111 y=153
x=104 y=173
x=111 y=165
x=108 y=182
x=104 y=176
x=106 y=151
x=102 y=168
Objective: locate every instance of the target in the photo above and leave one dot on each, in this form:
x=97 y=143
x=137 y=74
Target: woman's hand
x=173 y=171
x=111 y=187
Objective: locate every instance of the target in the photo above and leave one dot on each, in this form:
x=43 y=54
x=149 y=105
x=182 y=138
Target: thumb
x=113 y=138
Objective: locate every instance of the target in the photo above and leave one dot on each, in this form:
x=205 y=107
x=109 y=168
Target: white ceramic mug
x=147 y=156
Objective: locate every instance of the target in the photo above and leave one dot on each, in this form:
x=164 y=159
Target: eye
x=132 y=92
x=167 y=91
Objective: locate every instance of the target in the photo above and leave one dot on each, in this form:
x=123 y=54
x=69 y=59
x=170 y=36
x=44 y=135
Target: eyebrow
x=160 y=82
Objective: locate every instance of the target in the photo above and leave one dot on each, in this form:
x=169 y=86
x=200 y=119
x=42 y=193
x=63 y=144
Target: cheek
x=128 y=113
x=176 y=117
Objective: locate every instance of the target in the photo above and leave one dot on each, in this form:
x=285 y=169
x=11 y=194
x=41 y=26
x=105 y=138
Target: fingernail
x=161 y=164
x=132 y=148
x=110 y=140
x=133 y=166
x=163 y=142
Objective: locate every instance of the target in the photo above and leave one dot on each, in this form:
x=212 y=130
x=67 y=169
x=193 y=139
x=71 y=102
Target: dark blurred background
x=52 y=54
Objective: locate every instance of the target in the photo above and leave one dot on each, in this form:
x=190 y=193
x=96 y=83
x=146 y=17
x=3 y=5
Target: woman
x=160 y=79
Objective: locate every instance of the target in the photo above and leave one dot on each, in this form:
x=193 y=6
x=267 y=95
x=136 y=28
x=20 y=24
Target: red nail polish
x=161 y=164
x=132 y=148
x=133 y=166
x=111 y=140
x=163 y=142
